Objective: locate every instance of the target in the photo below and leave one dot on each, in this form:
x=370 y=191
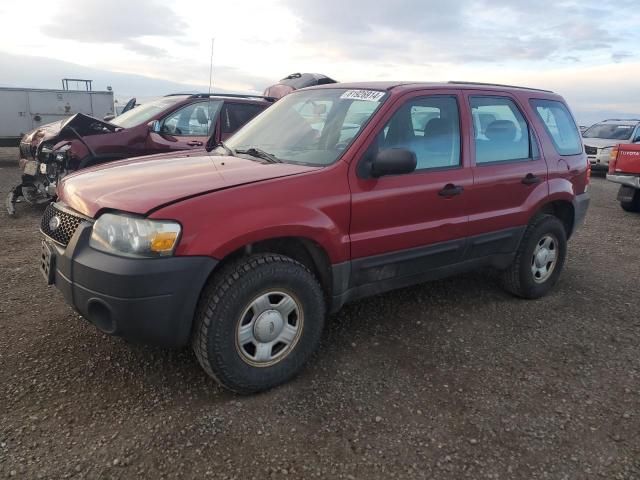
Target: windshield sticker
x=366 y=95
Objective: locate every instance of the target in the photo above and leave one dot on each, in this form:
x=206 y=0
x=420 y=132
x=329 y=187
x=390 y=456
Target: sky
x=586 y=50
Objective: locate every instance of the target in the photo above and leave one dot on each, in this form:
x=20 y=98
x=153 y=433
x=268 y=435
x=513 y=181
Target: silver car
x=600 y=138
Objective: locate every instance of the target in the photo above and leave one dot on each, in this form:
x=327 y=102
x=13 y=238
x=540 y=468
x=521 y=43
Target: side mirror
x=155 y=126
x=393 y=161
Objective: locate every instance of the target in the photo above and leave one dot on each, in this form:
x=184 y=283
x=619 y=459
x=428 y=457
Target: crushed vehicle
x=171 y=123
x=296 y=81
x=600 y=139
x=335 y=193
x=624 y=169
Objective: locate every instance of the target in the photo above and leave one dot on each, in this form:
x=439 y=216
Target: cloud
x=461 y=31
x=122 y=22
x=618 y=57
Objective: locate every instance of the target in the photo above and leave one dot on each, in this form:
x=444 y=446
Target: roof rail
x=230 y=95
x=499 y=85
x=622 y=120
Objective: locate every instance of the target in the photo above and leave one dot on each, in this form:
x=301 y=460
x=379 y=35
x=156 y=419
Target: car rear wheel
x=258 y=322
x=539 y=259
x=633 y=205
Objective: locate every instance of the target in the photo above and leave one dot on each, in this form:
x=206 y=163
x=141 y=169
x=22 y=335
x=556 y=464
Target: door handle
x=195 y=143
x=531 y=179
x=451 y=190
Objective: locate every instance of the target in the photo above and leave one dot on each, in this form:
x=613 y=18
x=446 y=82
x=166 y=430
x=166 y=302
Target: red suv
x=335 y=193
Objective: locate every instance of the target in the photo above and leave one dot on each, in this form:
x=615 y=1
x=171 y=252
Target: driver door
x=187 y=128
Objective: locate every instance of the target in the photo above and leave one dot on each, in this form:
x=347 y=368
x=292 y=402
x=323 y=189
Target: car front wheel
x=258 y=322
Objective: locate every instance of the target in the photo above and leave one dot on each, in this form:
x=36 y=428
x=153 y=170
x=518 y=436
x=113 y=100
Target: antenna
x=211 y=141
x=211 y=65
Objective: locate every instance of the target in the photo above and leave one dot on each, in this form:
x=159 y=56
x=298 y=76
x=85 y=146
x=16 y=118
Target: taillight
x=613 y=159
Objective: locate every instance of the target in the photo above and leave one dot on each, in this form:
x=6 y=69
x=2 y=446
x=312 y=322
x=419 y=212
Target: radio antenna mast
x=211 y=66
x=212 y=127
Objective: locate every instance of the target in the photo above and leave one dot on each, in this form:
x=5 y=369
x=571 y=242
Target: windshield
x=145 y=112
x=310 y=127
x=610 y=131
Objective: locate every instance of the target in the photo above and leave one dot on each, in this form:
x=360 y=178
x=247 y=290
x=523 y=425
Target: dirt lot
x=453 y=379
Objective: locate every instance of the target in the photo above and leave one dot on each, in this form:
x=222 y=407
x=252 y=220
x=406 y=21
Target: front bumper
x=580 y=207
x=628 y=180
x=143 y=300
x=599 y=161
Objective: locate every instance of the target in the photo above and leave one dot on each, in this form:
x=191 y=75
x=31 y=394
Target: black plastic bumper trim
x=150 y=301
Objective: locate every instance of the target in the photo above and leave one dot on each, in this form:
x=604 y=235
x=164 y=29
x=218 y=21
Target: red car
x=171 y=123
x=624 y=169
x=335 y=193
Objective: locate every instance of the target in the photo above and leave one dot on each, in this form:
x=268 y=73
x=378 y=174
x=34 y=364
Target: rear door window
x=501 y=132
x=235 y=115
x=560 y=126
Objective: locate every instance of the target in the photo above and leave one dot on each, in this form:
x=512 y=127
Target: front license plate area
x=31 y=168
x=47 y=263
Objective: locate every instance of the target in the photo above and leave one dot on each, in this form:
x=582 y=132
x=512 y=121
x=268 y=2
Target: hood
x=602 y=142
x=140 y=185
x=83 y=125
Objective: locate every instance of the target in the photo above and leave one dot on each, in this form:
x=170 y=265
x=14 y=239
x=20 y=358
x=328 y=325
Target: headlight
x=133 y=236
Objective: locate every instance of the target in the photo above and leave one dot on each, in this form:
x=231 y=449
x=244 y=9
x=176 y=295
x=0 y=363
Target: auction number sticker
x=366 y=95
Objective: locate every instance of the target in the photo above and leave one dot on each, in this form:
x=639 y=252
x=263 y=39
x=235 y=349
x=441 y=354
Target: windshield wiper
x=258 y=153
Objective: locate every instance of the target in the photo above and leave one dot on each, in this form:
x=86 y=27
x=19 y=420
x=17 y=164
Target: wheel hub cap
x=544 y=258
x=268 y=326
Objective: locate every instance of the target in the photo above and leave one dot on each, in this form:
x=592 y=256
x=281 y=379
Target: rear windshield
x=144 y=113
x=609 y=131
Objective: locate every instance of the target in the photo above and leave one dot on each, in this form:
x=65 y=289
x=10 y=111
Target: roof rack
x=231 y=95
x=500 y=85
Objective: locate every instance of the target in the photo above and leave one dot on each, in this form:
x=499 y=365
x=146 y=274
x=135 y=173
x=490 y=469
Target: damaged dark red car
x=171 y=123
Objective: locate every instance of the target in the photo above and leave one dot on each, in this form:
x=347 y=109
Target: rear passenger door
x=509 y=173
x=404 y=225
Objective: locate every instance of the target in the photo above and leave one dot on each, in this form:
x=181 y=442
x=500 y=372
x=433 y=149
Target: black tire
x=519 y=278
x=221 y=307
x=633 y=205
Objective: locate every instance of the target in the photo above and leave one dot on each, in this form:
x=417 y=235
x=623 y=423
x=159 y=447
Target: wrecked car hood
x=144 y=183
x=83 y=125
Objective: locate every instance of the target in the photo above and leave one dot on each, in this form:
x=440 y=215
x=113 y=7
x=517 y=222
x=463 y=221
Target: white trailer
x=25 y=109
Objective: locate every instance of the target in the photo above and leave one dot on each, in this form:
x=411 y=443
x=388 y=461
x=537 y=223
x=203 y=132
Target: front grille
x=67 y=225
x=590 y=150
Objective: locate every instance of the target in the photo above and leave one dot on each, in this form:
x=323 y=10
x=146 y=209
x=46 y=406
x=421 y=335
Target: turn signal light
x=163 y=241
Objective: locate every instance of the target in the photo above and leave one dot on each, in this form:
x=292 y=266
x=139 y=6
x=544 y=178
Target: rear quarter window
x=559 y=124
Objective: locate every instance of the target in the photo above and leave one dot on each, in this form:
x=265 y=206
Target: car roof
x=389 y=85
x=223 y=96
x=621 y=121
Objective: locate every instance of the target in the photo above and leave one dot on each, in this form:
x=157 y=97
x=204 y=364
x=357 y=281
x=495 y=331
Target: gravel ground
x=453 y=379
